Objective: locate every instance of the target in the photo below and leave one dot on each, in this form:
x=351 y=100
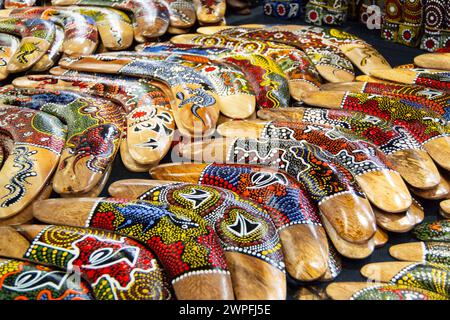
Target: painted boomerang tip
x=430 y=251
x=8 y=46
x=51 y=57
x=433 y=231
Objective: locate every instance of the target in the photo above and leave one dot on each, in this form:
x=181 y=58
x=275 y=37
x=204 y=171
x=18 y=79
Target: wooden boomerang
x=405 y=152
x=8 y=47
x=186 y=245
x=444 y=207
x=37 y=36
x=434 y=60
x=400 y=222
x=265 y=76
x=435 y=252
x=196 y=108
x=210 y=11
x=117 y=268
x=433 y=231
x=370 y=167
x=248 y=236
x=22 y=280
x=94 y=130
x=426 y=126
x=181 y=13
x=151 y=17
x=38 y=142
x=301 y=74
x=51 y=57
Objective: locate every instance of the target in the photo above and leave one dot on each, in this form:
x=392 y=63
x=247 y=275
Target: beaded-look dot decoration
x=433 y=231
x=437 y=252
x=395 y=292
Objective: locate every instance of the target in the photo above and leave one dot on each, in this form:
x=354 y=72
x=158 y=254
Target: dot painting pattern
x=394 y=292
x=437 y=252
x=241 y=225
x=433 y=231
x=116 y=267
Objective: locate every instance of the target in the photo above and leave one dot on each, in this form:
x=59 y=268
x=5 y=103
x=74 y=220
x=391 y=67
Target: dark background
x=396 y=54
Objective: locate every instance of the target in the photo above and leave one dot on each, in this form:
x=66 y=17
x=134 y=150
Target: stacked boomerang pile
x=290 y=191
x=34 y=38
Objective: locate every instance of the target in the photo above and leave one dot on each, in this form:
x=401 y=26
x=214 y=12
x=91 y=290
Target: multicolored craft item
x=8 y=46
x=434 y=252
x=433 y=231
x=332 y=12
x=210 y=11
x=285 y=9
x=437 y=25
x=51 y=57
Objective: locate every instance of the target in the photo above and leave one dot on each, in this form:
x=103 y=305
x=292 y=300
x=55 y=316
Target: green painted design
x=433 y=231
x=394 y=292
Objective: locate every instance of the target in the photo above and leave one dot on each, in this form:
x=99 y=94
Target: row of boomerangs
x=234 y=221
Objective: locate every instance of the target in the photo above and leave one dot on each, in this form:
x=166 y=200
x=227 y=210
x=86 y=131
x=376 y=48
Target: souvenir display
x=330 y=12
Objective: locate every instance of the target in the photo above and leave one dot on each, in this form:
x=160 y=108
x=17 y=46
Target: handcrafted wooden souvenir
x=265 y=76
x=435 y=79
x=38 y=143
x=150 y=123
x=186 y=245
x=311 y=293
x=182 y=14
x=51 y=57
x=334 y=263
x=210 y=11
x=94 y=126
x=295 y=64
x=435 y=60
x=372 y=170
x=114 y=27
x=19 y=3
x=236 y=96
x=290 y=208
x=433 y=231
x=330 y=12
x=426 y=126
x=8 y=46
x=441 y=191
x=151 y=17
x=301 y=262
x=380 y=238
x=436 y=100
x=436 y=22
x=435 y=252
x=80 y=31
x=378 y=291
x=427 y=276
x=22 y=280
x=247 y=234
x=394 y=140
x=444 y=207
x=400 y=222
x=117 y=268
x=343 y=48
x=95 y=191
x=196 y=106
x=37 y=36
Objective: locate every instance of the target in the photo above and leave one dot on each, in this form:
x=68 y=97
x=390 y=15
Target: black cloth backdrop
x=396 y=54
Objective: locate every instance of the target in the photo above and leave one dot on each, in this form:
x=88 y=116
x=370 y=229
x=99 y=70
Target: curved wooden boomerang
x=289 y=206
x=80 y=31
x=94 y=130
x=22 y=280
x=181 y=13
x=210 y=11
x=185 y=244
x=370 y=167
x=196 y=109
x=51 y=57
x=38 y=142
x=394 y=140
x=435 y=60
x=37 y=36
x=247 y=234
x=297 y=67
x=435 y=252
x=400 y=223
x=117 y=268
x=151 y=17
x=8 y=46
x=265 y=76
x=150 y=123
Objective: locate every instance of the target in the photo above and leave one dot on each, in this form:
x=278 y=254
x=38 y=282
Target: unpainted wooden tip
x=343 y=86
x=183 y=172
x=31 y=231
x=345 y=290
x=335 y=74
x=441 y=191
x=380 y=238
x=434 y=60
x=412 y=251
x=439 y=150
x=238 y=106
x=207 y=150
x=397 y=75
x=183 y=38
x=12 y=243
x=212 y=29
x=383 y=271
x=324 y=99
x=209 y=286
x=133 y=188
x=64 y=211
x=241 y=129
x=445 y=208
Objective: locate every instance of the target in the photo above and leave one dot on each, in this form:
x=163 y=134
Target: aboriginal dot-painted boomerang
x=425 y=125
x=435 y=79
x=436 y=100
x=196 y=107
x=186 y=245
x=290 y=208
x=209 y=12
x=8 y=47
x=37 y=36
x=328 y=60
x=38 y=142
x=435 y=252
x=236 y=96
x=246 y=232
x=297 y=67
x=405 y=152
x=51 y=57
x=80 y=32
x=400 y=222
x=117 y=268
x=150 y=123
x=265 y=76
x=378 y=291
x=350 y=240
x=20 y=280
x=151 y=16
x=436 y=60
x=427 y=276
x=433 y=231
x=444 y=207
x=372 y=170
x=181 y=13
x=94 y=131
